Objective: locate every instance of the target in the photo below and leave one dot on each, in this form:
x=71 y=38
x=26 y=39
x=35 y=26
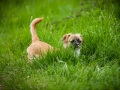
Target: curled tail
x=33 y=29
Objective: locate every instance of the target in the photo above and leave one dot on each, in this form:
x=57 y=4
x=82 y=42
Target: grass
x=98 y=67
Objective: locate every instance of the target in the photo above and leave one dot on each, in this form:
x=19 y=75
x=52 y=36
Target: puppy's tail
x=33 y=29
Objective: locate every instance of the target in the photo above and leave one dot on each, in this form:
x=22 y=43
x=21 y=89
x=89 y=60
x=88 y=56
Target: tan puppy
x=74 y=41
x=37 y=47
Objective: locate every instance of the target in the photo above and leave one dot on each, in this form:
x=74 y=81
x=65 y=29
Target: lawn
x=98 y=66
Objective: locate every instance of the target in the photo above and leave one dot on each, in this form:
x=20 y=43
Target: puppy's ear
x=80 y=35
x=66 y=36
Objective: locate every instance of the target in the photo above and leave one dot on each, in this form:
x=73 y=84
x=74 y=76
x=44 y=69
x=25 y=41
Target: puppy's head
x=74 y=40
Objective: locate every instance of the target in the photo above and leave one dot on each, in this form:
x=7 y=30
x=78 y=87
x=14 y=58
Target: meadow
x=98 y=66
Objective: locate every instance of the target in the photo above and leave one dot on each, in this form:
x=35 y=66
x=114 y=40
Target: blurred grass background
x=98 y=67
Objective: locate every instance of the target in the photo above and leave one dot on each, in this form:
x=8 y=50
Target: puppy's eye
x=72 y=41
x=78 y=40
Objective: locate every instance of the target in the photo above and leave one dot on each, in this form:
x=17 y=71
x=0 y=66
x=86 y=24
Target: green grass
x=98 y=67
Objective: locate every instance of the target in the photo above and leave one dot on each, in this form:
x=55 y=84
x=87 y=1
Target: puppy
x=37 y=48
x=74 y=41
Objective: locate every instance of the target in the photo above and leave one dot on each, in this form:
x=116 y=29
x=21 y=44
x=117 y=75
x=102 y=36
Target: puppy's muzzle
x=76 y=44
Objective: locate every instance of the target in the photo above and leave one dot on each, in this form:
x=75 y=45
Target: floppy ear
x=66 y=36
x=80 y=35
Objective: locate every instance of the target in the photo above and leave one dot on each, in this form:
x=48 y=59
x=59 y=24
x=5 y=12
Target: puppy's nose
x=77 y=43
